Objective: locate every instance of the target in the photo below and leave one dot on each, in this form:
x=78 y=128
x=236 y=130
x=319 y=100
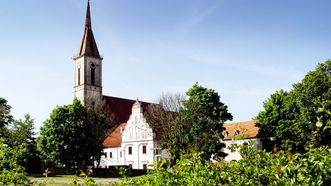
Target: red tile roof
x=121 y=107
x=246 y=129
x=114 y=139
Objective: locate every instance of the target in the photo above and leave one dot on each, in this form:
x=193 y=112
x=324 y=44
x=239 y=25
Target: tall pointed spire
x=88 y=16
x=88 y=46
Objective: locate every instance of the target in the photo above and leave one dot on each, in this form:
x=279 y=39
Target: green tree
x=11 y=173
x=199 y=124
x=21 y=134
x=277 y=120
x=21 y=131
x=73 y=136
x=300 y=117
x=5 y=117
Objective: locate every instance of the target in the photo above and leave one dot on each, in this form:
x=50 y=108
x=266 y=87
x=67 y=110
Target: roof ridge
x=128 y=99
x=239 y=122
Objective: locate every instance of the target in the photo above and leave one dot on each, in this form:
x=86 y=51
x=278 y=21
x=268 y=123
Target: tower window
x=92 y=74
x=78 y=76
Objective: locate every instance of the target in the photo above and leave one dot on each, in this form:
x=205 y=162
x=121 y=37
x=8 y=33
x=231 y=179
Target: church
x=133 y=142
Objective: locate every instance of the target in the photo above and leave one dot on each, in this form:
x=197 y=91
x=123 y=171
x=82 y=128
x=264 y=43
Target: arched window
x=92 y=74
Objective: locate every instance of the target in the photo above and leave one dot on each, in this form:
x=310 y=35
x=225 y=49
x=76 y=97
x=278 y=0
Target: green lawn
x=68 y=180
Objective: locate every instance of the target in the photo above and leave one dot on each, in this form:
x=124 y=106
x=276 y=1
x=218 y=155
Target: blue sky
x=244 y=49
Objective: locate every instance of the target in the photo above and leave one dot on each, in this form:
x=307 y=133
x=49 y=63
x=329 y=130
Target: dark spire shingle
x=88 y=46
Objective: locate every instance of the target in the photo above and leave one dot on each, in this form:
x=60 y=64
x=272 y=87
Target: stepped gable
x=247 y=129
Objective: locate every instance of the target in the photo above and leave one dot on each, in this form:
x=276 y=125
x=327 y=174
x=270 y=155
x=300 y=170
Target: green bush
x=13 y=177
x=256 y=168
x=10 y=172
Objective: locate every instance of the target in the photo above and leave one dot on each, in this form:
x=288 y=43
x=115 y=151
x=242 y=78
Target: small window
x=92 y=74
x=110 y=155
x=225 y=134
x=78 y=76
x=144 y=149
x=121 y=154
x=145 y=166
x=105 y=154
x=130 y=150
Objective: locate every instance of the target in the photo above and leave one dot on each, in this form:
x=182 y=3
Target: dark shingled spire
x=88 y=46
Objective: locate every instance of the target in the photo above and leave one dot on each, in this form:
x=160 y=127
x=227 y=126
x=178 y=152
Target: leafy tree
x=276 y=121
x=5 y=117
x=199 y=124
x=21 y=134
x=73 y=136
x=300 y=117
x=11 y=173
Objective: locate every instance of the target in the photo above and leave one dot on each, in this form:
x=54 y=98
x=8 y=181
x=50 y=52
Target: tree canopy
x=73 y=136
x=199 y=123
x=21 y=135
x=5 y=116
x=300 y=117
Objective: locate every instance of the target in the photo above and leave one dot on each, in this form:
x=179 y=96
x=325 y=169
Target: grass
x=68 y=180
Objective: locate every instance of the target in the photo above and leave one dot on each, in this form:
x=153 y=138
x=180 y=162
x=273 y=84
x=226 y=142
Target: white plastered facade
x=138 y=148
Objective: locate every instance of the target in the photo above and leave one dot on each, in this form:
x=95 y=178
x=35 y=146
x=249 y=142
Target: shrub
x=10 y=172
x=256 y=168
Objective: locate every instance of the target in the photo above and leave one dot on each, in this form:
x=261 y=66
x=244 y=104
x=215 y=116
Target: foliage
x=72 y=136
x=21 y=135
x=21 y=131
x=13 y=177
x=11 y=173
x=88 y=181
x=9 y=157
x=198 y=125
x=256 y=168
x=300 y=117
x=5 y=117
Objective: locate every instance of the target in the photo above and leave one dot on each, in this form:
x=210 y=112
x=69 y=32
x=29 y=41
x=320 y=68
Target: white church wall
x=138 y=147
x=235 y=155
x=138 y=140
x=111 y=157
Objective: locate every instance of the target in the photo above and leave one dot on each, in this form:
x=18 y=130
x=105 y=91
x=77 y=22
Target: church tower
x=88 y=67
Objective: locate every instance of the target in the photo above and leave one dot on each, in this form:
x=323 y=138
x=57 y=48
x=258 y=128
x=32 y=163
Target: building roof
x=246 y=129
x=114 y=139
x=88 y=45
x=121 y=107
